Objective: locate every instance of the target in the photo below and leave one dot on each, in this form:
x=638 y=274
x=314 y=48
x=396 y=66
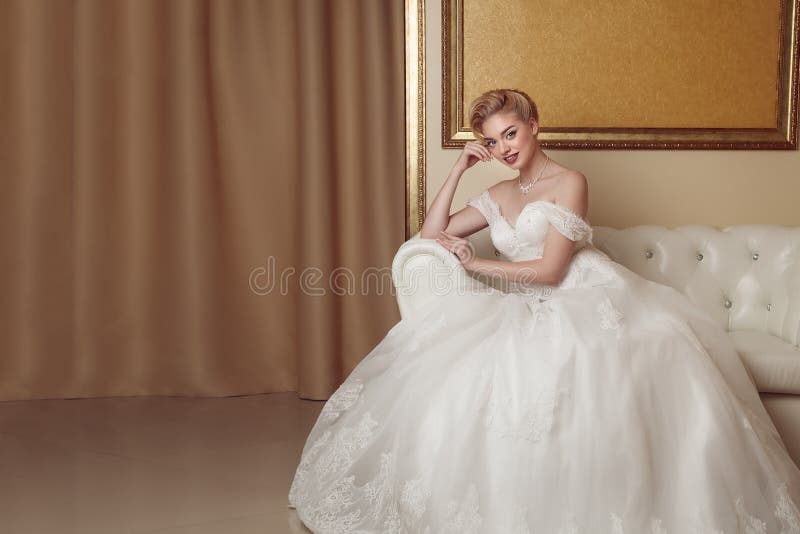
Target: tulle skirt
x=611 y=406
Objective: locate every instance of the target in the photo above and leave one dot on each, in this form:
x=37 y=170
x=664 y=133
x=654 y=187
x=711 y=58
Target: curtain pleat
x=164 y=163
x=352 y=137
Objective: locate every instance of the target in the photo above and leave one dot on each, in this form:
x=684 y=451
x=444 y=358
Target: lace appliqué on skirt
x=544 y=317
x=610 y=317
x=342 y=400
x=463 y=517
x=787 y=512
x=530 y=422
x=752 y=525
x=328 y=457
x=414 y=497
x=520 y=523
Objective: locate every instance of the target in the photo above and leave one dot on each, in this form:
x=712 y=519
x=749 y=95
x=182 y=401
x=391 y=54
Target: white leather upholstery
x=773 y=363
x=421 y=270
x=745 y=277
x=785 y=413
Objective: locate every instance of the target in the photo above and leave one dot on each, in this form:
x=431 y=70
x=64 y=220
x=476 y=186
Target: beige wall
x=629 y=187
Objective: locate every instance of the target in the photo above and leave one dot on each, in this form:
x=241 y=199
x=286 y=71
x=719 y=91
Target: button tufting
x=755 y=256
x=699 y=257
x=728 y=303
x=648 y=254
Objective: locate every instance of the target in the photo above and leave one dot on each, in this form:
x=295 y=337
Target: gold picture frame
x=415 y=114
x=777 y=130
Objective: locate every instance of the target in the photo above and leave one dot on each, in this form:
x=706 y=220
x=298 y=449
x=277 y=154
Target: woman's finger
x=447 y=241
x=478 y=150
x=453 y=243
x=459 y=246
x=445 y=244
x=452 y=237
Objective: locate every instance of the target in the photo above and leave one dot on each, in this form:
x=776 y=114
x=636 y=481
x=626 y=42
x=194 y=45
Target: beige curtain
x=162 y=162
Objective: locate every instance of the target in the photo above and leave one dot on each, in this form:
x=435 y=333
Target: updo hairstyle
x=500 y=101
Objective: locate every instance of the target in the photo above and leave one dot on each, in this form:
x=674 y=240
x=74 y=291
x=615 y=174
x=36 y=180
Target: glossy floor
x=142 y=465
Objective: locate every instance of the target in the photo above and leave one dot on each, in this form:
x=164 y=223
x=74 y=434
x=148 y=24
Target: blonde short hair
x=500 y=100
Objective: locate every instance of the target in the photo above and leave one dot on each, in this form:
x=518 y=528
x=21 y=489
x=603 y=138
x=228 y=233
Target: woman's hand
x=473 y=153
x=459 y=246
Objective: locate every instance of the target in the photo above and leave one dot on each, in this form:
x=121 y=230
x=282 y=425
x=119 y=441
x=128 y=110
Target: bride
x=581 y=398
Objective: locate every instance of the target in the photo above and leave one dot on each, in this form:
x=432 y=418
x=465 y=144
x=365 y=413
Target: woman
x=581 y=399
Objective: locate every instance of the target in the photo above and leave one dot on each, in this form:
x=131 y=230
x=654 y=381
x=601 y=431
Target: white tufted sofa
x=747 y=278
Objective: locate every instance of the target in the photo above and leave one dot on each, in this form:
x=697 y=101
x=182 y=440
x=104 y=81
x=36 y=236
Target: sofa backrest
x=745 y=277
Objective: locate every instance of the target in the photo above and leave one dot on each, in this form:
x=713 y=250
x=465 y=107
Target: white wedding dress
x=609 y=404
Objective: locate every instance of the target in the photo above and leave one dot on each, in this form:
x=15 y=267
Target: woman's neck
x=536 y=164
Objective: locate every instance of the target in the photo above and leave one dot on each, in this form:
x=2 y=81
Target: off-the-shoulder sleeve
x=483 y=204
x=568 y=223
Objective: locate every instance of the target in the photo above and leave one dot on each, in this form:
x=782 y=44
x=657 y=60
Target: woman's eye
x=489 y=143
x=511 y=134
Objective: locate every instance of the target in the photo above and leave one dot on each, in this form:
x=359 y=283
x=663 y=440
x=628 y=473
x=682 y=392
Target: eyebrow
x=501 y=133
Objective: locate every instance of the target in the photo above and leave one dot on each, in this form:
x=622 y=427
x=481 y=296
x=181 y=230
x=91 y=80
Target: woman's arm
x=465 y=221
x=558 y=249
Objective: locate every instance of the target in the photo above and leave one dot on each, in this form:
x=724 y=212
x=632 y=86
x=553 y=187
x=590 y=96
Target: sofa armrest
x=422 y=270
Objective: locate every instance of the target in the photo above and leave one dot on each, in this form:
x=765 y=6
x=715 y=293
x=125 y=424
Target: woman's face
x=510 y=140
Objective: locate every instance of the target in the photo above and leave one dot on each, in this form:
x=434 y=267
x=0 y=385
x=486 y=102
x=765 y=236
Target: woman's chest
x=527 y=235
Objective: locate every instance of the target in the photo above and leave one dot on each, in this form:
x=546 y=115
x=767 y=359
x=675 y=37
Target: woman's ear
x=534 y=126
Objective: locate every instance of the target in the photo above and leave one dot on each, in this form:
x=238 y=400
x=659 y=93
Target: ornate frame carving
x=415 y=114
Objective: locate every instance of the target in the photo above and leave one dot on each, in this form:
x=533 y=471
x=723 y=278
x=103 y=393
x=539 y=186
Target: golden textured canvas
x=629 y=63
x=630 y=73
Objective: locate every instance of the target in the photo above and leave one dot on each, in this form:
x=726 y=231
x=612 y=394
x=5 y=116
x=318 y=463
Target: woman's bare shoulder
x=572 y=180
x=572 y=191
x=563 y=172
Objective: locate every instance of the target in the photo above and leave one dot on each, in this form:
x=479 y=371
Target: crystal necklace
x=527 y=188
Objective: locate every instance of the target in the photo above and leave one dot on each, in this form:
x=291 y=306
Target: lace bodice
x=524 y=240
